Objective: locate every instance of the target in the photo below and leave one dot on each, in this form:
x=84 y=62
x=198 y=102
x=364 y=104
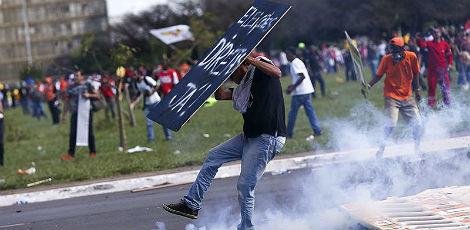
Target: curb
x=274 y=167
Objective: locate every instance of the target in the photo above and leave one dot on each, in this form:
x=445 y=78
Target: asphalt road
x=327 y=188
x=141 y=210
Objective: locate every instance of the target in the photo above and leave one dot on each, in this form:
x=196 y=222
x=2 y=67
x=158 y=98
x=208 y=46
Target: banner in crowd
x=83 y=121
x=173 y=34
x=217 y=65
x=357 y=61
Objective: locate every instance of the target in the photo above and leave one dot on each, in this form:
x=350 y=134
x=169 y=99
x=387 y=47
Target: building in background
x=55 y=29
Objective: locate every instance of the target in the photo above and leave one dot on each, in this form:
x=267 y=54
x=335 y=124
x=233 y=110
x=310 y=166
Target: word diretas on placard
x=223 y=58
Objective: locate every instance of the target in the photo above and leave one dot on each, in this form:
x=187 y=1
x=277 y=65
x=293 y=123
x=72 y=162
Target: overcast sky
x=117 y=8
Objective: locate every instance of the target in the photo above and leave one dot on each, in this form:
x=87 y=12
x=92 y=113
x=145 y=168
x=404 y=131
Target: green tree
x=31 y=71
x=92 y=55
x=312 y=22
x=122 y=55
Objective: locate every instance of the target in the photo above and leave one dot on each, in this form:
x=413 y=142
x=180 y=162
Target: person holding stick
x=402 y=79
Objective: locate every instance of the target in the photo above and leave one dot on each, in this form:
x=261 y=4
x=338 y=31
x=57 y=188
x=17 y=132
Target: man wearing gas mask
x=402 y=79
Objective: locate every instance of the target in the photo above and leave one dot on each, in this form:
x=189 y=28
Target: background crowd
x=150 y=83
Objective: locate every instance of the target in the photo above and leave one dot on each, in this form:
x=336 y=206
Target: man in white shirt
x=301 y=90
x=147 y=87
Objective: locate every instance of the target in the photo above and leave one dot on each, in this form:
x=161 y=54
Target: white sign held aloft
x=173 y=34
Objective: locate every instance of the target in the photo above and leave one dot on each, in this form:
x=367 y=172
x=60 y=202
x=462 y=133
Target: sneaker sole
x=170 y=210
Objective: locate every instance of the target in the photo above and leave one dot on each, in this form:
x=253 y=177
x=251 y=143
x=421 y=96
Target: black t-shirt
x=266 y=112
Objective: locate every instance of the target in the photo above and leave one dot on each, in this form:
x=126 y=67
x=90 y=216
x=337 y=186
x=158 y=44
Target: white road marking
x=12 y=225
x=428 y=146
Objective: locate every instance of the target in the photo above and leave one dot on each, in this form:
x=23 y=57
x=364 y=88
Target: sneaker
x=66 y=157
x=92 y=155
x=310 y=138
x=181 y=208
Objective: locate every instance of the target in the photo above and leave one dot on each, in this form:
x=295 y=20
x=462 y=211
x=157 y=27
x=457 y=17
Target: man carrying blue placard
x=258 y=97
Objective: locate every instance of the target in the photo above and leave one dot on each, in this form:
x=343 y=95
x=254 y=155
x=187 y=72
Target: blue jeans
x=149 y=123
x=464 y=73
x=254 y=153
x=306 y=101
x=373 y=65
x=38 y=111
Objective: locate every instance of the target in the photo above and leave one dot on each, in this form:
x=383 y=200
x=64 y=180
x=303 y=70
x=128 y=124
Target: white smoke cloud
x=325 y=189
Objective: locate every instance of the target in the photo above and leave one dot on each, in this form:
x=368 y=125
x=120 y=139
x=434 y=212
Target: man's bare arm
x=299 y=81
x=415 y=86
x=266 y=67
x=374 y=80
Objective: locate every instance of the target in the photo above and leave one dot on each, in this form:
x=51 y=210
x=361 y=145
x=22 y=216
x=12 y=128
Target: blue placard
x=217 y=65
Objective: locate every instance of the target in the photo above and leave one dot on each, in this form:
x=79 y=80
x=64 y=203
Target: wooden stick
x=39 y=182
x=131 y=109
x=122 y=134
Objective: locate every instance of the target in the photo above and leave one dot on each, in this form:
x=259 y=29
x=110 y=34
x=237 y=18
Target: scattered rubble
x=30 y=171
x=138 y=149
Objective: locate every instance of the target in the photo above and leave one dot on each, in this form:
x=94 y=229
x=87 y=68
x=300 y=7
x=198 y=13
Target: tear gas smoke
x=325 y=189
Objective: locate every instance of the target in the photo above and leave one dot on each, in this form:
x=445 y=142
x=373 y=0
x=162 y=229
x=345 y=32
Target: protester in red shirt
x=49 y=89
x=63 y=87
x=64 y=84
x=440 y=60
x=130 y=72
x=168 y=78
x=108 y=91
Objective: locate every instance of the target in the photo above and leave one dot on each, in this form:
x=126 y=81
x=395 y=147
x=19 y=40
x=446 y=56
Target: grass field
x=28 y=140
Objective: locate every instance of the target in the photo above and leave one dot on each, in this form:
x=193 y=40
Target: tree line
x=311 y=22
